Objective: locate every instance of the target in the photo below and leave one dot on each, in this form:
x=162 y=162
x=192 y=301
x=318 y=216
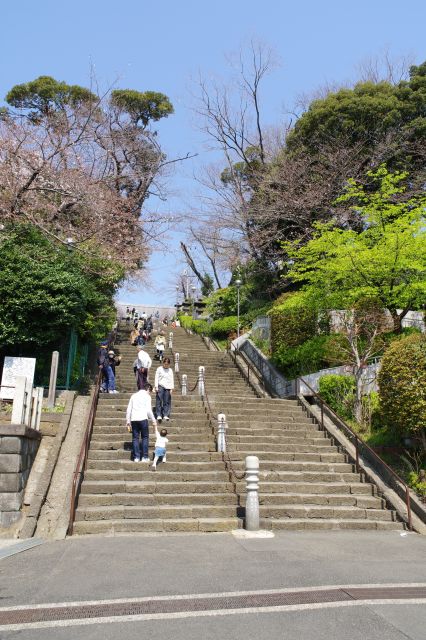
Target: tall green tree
x=45 y=290
x=366 y=114
x=386 y=261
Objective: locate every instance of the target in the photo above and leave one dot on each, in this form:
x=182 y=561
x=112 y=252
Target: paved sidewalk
x=102 y=568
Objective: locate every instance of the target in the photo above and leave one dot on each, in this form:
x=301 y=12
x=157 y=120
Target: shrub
x=402 y=384
x=293 y=322
x=338 y=392
x=418 y=483
x=223 y=327
x=302 y=359
x=186 y=321
x=198 y=326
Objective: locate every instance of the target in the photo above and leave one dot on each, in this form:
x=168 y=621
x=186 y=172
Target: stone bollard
x=184 y=384
x=170 y=340
x=252 y=501
x=221 y=426
x=201 y=381
x=176 y=363
x=53 y=377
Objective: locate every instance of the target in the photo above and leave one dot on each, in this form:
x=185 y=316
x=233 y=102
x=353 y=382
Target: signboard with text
x=14 y=367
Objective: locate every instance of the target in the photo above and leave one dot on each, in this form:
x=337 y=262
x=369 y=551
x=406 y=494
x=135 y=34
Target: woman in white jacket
x=164 y=386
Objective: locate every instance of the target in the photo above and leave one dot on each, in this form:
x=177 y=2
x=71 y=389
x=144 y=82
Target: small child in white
x=160 y=446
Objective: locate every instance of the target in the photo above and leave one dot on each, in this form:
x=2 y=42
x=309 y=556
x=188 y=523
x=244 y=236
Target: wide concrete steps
x=158 y=525
x=306 y=482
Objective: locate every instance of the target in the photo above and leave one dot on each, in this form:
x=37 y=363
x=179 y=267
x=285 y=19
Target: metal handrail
x=208 y=409
x=81 y=465
x=358 y=440
x=250 y=367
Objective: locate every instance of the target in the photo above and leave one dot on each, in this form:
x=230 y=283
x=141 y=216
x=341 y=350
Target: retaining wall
x=18 y=449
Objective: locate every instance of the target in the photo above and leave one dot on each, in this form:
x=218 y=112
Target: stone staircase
x=191 y=492
x=305 y=481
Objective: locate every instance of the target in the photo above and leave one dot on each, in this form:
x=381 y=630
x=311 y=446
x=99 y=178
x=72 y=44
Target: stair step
x=151 y=499
x=158 y=511
x=154 y=485
x=297 y=524
x=189 y=525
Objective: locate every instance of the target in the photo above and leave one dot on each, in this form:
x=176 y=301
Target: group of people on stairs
x=139 y=410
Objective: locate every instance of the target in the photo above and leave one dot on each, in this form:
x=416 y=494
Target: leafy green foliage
x=385 y=261
x=217 y=329
x=207 y=286
x=45 y=290
x=402 y=384
x=338 y=392
x=364 y=114
x=223 y=302
x=299 y=360
x=415 y=481
x=293 y=321
x=45 y=95
x=142 y=107
x=223 y=327
x=198 y=326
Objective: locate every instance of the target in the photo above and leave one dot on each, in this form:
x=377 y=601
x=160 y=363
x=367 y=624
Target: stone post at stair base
x=201 y=380
x=184 y=384
x=252 y=501
x=221 y=426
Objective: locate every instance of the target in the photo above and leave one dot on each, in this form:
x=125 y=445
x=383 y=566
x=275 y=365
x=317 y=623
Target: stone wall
x=18 y=449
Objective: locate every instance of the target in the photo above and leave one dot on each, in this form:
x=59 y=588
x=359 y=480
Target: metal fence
x=369 y=377
x=274 y=381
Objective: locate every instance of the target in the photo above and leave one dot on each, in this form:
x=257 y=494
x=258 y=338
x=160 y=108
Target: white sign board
x=12 y=368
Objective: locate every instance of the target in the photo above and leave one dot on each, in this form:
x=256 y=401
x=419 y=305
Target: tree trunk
x=358 y=397
x=398 y=318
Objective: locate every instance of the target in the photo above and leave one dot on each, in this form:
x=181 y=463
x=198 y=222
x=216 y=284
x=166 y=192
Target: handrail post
x=322 y=415
x=184 y=384
x=201 y=380
x=171 y=340
x=407 y=497
x=356 y=454
x=221 y=426
x=252 y=501
x=176 y=363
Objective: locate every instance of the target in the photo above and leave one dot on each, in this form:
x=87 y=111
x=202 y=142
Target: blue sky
x=162 y=46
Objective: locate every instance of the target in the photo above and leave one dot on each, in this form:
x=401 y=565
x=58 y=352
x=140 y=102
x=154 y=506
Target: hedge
x=293 y=321
x=402 y=385
x=223 y=327
x=302 y=359
x=217 y=329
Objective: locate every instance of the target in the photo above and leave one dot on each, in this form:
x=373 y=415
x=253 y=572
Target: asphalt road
x=102 y=568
